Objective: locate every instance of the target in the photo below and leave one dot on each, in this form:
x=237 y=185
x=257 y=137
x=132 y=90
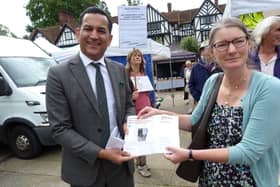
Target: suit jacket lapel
x=115 y=81
x=80 y=74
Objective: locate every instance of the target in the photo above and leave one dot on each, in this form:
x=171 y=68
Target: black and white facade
x=196 y=23
x=159 y=29
x=198 y=26
x=66 y=38
x=208 y=14
x=162 y=30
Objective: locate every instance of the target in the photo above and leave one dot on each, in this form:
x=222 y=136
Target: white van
x=23 y=117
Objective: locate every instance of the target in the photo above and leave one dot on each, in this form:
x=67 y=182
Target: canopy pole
x=172 y=87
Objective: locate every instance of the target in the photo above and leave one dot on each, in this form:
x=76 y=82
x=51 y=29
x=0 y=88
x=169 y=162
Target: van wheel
x=24 y=142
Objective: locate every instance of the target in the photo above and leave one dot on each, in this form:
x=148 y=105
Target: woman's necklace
x=267 y=55
x=229 y=96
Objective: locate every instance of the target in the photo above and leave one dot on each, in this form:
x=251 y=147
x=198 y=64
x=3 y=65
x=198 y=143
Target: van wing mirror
x=5 y=89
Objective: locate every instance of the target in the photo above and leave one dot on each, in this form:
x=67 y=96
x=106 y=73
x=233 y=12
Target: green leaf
x=44 y=13
x=190 y=43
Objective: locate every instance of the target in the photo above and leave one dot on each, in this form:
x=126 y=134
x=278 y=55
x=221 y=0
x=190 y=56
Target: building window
x=207 y=20
x=204 y=35
x=67 y=39
x=154 y=28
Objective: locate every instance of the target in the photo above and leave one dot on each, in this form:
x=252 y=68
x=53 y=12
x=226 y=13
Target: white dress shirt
x=91 y=71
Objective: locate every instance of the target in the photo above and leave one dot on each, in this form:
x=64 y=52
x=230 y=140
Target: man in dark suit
x=75 y=113
x=200 y=72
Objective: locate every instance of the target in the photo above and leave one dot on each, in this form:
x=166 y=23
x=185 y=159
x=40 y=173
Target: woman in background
x=266 y=56
x=136 y=67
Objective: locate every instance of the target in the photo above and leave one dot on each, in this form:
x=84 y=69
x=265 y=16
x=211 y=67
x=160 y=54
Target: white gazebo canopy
x=154 y=48
x=239 y=7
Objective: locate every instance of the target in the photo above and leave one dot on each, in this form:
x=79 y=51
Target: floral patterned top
x=225 y=130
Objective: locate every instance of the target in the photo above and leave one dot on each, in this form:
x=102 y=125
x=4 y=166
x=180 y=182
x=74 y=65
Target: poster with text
x=132 y=26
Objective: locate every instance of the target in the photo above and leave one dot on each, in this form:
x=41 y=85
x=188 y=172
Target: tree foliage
x=5 y=31
x=44 y=13
x=102 y=5
x=190 y=43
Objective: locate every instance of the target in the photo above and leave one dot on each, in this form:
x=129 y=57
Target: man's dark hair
x=95 y=10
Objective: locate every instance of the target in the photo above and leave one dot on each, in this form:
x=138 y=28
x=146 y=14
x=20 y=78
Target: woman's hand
x=176 y=155
x=135 y=95
x=149 y=111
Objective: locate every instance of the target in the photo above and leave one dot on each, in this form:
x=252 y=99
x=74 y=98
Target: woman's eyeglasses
x=237 y=43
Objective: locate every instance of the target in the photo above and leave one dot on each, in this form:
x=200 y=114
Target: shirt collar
x=86 y=61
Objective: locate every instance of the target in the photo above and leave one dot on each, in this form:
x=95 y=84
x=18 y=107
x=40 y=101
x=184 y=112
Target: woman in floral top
x=243 y=130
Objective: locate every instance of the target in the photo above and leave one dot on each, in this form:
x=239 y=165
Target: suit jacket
x=76 y=120
x=198 y=77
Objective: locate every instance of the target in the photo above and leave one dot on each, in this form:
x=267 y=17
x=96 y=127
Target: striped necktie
x=102 y=103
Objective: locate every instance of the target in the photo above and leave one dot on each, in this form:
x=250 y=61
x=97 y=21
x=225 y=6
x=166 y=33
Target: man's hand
x=117 y=156
x=125 y=128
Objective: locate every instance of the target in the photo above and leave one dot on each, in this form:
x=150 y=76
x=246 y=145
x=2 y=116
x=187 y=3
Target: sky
x=13 y=14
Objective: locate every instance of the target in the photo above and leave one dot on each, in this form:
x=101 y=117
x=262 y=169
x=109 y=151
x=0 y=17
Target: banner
x=132 y=26
x=239 y=7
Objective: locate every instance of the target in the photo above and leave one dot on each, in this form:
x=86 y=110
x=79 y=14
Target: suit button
x=99 y=130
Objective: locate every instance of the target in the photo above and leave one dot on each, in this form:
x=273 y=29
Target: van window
x=27 y=71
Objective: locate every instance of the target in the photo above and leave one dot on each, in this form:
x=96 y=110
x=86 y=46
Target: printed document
x=115 y=140
x=142 y=83
x=151 y=135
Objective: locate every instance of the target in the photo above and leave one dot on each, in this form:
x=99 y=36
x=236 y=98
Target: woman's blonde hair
x=135 y=51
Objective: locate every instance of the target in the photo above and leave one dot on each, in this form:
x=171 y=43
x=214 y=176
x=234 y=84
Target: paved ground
x=44 y=171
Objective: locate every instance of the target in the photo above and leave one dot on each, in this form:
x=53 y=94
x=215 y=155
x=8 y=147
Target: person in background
x=81 y=124
x=136 y=67
x=213 y=66
x=200 y=72
x=182 y=70
x=266 y=56
x=243 y=146
x=187 y=95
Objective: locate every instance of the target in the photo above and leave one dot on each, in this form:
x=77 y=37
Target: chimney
x=65 y=17
x=169 y=7
x=217 y=3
